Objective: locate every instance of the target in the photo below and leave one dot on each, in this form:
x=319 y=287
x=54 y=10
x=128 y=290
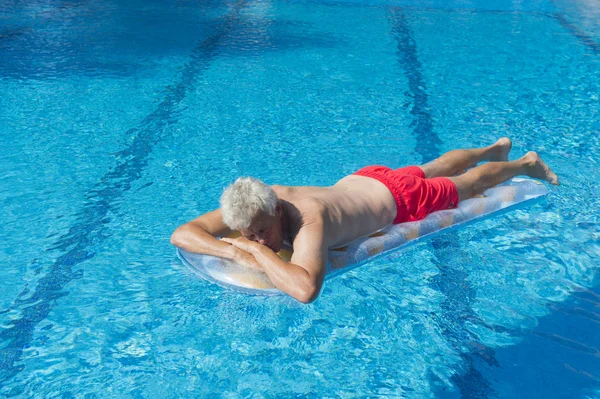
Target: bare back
x=354 y=207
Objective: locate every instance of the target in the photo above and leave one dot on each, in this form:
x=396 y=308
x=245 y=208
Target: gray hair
x=242 y=201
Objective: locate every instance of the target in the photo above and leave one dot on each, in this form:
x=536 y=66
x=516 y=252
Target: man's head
x=251 y=207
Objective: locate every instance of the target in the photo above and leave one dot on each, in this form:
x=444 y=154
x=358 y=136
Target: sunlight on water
x=119 y=128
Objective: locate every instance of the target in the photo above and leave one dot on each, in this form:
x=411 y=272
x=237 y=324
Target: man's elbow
x=309 y=294
x=178 y=236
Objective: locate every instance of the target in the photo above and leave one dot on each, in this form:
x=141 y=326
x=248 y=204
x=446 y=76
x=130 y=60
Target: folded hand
x=242 y=254
x=242 y=243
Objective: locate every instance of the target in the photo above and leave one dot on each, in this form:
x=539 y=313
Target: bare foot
x=538 y=169
x=501 y=149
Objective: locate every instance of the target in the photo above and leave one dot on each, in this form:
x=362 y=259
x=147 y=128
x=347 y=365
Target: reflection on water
x=299 y=93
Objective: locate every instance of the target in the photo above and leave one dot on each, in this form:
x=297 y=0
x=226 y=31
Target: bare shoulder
x=278 y=187
x=312 y=209
x=304 y=215
x=295 y=193
x=310 y=241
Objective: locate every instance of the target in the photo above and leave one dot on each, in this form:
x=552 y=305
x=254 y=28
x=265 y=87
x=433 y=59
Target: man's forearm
x=288 y=277
x=195 y=239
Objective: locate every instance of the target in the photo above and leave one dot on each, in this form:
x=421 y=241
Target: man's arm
x=302 y=277
x=199 y=236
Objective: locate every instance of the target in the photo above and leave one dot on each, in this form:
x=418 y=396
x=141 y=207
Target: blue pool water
x=121 y=120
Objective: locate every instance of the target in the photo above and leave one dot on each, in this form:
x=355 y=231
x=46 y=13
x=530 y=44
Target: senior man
x=316 y=219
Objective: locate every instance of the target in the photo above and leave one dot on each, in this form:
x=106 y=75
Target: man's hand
x=243 y=254
x=242 y=243
x=247 y=260
x=302 y=277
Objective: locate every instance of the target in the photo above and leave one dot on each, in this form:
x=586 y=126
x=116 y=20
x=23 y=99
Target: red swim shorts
x=415 y=195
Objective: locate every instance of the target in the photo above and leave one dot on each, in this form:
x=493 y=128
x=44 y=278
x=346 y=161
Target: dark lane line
x=422 y=123
x=90 y=228
x=9 y=34
x=451 y=282
x=404 y=8
x=578 y=33
x=457 y=310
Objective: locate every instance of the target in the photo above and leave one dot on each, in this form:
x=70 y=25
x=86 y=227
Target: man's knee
x=464 y=187
x=430 y=169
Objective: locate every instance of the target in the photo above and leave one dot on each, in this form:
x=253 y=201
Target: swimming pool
x=122 y=120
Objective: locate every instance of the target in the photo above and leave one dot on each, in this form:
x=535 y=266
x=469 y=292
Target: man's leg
x=479 y=179
x=457 y=161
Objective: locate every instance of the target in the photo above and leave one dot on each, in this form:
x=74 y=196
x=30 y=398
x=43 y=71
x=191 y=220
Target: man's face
x=266 y=230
